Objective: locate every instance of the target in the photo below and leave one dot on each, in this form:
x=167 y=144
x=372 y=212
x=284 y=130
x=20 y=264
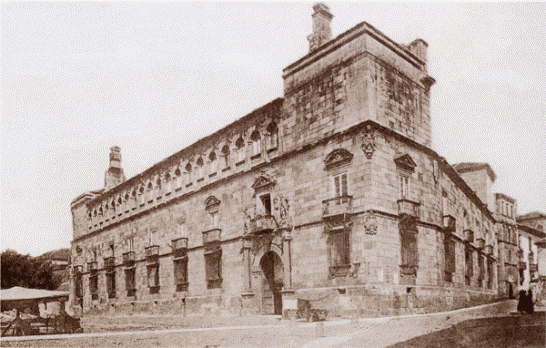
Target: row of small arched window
x=164 y=182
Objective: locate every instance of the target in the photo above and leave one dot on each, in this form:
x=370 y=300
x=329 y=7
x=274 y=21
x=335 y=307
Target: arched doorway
x=272 y=283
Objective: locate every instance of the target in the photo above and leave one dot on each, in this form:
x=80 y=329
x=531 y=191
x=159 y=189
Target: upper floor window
x=212 y=163
x=168 y=183
x=225 y=156
x=272 y=136
x=188 y=173
x=404 y=182
x=240 y=145
x=264 y=204
x=256 y=143
x=340 y=187
x=444 y=203
x=199 y=168
x=177 y=178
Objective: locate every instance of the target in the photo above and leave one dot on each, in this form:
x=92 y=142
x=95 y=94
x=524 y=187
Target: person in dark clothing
x=530 y=305
x=522 y=300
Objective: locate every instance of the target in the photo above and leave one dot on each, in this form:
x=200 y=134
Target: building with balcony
x=331 y=194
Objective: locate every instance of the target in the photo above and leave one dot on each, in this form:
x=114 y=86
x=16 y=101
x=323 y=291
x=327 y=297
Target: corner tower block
x=322 y=32
x=114 y=175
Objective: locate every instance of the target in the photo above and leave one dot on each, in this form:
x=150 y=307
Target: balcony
x=109 y=263
x=212 y=235
x=338 y=206
x=489 y=249
x=408 y=208
x=180 y=243
x=449 y=223
x=522 y=265
x=469 y=235
x=129 y=258
x=263 y=224
x=339 y=270
x=480 y=243
x=92 y=266
x=180 y=248
x=151 y=251
x=533 y=267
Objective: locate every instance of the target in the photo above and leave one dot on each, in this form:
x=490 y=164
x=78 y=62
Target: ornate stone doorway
x=272 y=283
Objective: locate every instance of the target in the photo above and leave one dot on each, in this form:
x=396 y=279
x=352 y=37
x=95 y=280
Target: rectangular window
x=214 y=219
x=340 y=248
x=111 y=283
x=153 y=277
x=340 y=185
x=213 y=268
x=181 y=274
x=404 y=187
x=152 y=236
x=469 y=264
x=94 y=286
x=489 y=274
x=449 y=246
x=240 y=154
x=409 y=249
x=130 y=285
x=264 y=203
x=182 y=230
x=256 y=146
x=444 y=203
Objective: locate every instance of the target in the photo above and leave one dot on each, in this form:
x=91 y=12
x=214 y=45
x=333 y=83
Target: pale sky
x=153 y=78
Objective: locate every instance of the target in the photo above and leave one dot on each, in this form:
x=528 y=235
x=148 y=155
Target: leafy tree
x=27 y=271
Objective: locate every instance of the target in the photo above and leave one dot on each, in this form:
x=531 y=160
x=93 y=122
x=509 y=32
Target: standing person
x=522 y=300
x=530 y=304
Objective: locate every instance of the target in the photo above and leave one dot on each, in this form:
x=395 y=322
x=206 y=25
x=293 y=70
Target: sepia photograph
x=259 y=174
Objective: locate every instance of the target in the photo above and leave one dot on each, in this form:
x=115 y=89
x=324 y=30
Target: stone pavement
x=365 y=332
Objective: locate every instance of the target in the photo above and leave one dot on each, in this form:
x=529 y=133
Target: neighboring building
x=60 y=261
x=507 y=236
x=331 y=194
x=532 y=229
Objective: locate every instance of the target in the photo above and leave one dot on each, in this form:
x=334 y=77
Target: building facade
x=331 y=194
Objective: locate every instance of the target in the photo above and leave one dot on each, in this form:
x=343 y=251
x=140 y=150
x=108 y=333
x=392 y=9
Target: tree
x=26 y=271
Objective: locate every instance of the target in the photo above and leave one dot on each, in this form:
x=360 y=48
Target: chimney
x=322 y=32
x=114 y=175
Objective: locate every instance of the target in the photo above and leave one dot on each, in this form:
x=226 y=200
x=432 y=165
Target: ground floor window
x=490 y=273
x=213 y=266
x=111 y=284
x=153 y=278
x=181 y=273
x=94 y=286
x=481 y=268
x=449 y=250
x=78 y=293
x=339 y=252
x=409 y=251
x=130 y=285
x=469 y=264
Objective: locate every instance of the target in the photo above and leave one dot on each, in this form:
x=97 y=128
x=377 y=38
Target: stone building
x=533 y=245
x=331 y=194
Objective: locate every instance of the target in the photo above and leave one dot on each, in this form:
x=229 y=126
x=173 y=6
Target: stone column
x=289 y=301
x=247 y=279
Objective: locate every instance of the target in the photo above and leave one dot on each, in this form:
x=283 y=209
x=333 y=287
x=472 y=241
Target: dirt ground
x=486 y=326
